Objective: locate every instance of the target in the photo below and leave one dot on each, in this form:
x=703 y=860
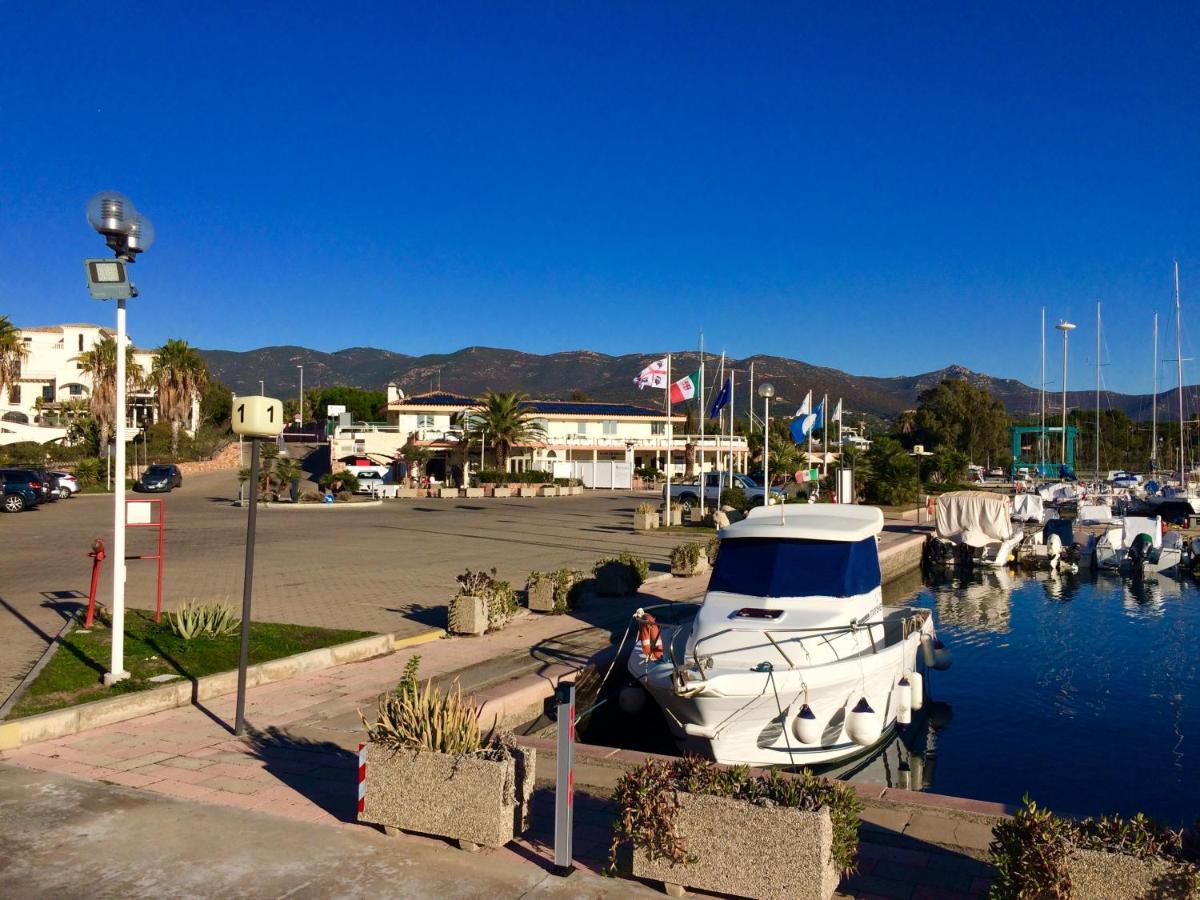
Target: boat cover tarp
x=769 y=567
x=1028 y=508
x=974 y=518
x=1095 y=514
x=1135 y=525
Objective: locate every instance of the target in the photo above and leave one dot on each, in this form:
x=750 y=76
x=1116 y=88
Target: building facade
x=575 y=432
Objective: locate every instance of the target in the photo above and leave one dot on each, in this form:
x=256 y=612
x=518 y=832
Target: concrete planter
x=645 y=521
x=502 y=490
x=404 y=493
x=526 y=490
x=575 y=490
x=541 y=595
x=1096 y=873
x=468 y=615
x=699 y=568
x=548 y=490
x=472 y=492
x=674 y=517
x=474 y=801
x=749 y=850
x=448 y=493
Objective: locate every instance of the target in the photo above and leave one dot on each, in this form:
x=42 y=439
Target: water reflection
x=909 y=759
x=974 y=599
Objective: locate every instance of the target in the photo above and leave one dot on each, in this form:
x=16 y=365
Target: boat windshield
x=770 y=567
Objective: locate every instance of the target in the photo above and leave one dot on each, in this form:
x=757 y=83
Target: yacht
x=792 y=658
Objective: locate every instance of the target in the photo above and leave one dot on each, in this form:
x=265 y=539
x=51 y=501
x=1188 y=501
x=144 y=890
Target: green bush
x=348 y=479
x=714 y=544
x=685 y=557
x=89 y=472
x=736 y=498
x=494 y=476
x=499 y=596
x=203 y=620
x=415 y=718
x=566 y=587
x=620 y=575
x=647 y=810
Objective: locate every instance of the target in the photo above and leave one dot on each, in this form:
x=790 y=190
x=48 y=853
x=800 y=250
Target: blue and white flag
x=803 y=426
x=720 y=399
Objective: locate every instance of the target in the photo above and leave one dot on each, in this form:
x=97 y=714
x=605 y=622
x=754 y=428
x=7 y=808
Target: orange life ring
x=650 y=636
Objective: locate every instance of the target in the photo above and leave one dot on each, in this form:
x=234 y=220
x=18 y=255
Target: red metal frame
x=162 y=514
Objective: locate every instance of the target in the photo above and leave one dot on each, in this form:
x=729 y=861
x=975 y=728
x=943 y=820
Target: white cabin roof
x=809 y=522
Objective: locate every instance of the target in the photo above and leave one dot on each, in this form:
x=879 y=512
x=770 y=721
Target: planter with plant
x=691 y=822
x=448 y=493
x=674 y=516
x=621 y=575
x=711 y=548
x=482 y=604
x=502 y=490
x=527 y=490
x=430 y=769
x=553 y=592
x=1039 y=854
x=548 y=490
x=645 y=517
x=688 y=559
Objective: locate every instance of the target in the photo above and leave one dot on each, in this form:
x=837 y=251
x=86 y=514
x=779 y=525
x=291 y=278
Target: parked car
x=49 y=485
x=22 y=489
x=160 y=477
x=68 y=484
x=688 y=492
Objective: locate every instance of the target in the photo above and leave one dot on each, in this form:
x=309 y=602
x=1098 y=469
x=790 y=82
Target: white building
x=51 y=377
x=575 y=432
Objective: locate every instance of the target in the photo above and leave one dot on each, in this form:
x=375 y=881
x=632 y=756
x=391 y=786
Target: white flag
x=805 y=407
x=654 y=375
x=837 y=412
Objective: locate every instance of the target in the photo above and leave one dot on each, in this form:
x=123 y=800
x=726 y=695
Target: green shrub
x=89 y=471
x=685 y=557
x=348 y=479
x=646 y=509
x=736 y=498
x=416 y=718
x=711 y=548
x=622 y=574
x=203 y=620
x=647 y=809
x=499 y=596
x=494 y=476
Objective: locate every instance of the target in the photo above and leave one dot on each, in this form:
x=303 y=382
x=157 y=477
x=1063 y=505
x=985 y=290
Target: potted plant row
x=693 y=823
x=430 y=769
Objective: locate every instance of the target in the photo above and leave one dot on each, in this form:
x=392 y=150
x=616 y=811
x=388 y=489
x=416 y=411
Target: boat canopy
x=809 y=521
x=974 y=518
x=789 y=567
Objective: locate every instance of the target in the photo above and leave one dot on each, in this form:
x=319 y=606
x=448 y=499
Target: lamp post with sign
x=127 y=233
x=256 y=419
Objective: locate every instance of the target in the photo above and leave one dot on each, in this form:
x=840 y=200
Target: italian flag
x=685 y=388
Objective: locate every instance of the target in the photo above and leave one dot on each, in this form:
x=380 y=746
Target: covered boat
x=973 y=528
x=792 y=658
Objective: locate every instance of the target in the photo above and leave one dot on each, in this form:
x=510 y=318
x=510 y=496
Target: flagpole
x=721 y=439
x=752 y=395
x=825 y=436
x=703 y=416
x=732 y=394
x=670 y=439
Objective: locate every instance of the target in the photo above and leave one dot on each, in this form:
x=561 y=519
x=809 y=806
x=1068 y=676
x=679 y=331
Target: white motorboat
x=792 y=658
x=1138 y=546
x=973 y=528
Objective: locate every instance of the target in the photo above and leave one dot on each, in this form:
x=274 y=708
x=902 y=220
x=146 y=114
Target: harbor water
x=1082 y=691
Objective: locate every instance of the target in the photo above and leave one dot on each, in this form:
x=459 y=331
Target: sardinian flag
x=654 y=375
x=685 y=388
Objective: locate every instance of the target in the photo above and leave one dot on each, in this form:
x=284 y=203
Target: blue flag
x=720 y=400
x=803 y=426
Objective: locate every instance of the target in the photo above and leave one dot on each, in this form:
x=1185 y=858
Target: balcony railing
x=709 y=442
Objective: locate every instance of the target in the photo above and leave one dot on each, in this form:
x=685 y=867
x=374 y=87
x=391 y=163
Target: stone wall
x=226 y=459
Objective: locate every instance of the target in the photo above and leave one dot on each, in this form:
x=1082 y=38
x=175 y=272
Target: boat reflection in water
x=974 y=599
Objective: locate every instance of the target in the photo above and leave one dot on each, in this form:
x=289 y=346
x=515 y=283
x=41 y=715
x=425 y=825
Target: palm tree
x=179 y=374
x=100 y=364
x=509 y=421
x=13 y=352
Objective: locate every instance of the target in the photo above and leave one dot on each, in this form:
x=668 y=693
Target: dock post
x=564 y=784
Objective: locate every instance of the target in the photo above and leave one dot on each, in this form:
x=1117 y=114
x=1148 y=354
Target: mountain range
x=475 y=370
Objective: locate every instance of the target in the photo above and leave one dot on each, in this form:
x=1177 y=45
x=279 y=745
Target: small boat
x=1138 y=546
x=792 y=658
x=973 y=528
x=1052 y=546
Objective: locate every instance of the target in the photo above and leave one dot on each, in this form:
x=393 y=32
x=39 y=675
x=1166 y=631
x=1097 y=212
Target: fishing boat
x=1138 y=546
x=792 y=658
x=973 y=528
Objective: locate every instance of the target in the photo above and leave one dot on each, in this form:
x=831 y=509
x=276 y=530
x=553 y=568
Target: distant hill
x=474 y=370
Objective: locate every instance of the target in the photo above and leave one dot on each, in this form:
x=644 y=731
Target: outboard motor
x=1140 y=552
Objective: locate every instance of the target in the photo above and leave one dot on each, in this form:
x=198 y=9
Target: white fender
x=916 y=690
x=903 y=701
x=863 y=725
x=805 y=726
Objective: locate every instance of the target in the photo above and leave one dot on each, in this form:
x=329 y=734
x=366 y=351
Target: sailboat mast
x=1154 y=405
x=1179 y=376
x=1097 y=390
x=1042 y=433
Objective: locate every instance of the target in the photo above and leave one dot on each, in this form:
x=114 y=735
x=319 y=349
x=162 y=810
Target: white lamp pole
x=766 y=390
x=1066 y=328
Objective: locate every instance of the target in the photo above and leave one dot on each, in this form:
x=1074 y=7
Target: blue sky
x=885 y=189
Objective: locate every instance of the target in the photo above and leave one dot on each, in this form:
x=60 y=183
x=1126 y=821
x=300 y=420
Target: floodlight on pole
x=1066 y=328
x=766 y=390
x=127 y=233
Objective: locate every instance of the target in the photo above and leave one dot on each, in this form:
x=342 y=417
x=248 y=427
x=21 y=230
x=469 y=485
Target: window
x=610 y=427
x=581 y=428
x=75 y=390
x=47 y=393
x=14 y=394
x=81 y=343
x=658 y=428
x=424 y=421
x=79 y=366
x=770 y=567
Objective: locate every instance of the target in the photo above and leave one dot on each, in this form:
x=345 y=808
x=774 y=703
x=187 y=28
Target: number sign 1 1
x=257 y=416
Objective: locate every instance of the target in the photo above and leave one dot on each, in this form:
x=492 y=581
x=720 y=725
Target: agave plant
x=208 y=620
x=413 y=717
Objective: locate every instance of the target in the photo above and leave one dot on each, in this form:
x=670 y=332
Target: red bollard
x=97 y=556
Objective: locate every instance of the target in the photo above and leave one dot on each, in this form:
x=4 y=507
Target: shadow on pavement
x=319 y=771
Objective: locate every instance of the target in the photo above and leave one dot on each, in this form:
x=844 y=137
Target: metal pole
x=1042 y=433
x=1065 y=332
x=564 y=784
x=766 y=450
x=239 y=724
x=1179 y=372
x=1097 y=390
x=1154 y=405
x=703 y=414
x=300 y=409
x=116 y=670
x=670 y=444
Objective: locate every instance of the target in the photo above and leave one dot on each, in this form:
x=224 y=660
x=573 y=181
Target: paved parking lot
x=377 y=568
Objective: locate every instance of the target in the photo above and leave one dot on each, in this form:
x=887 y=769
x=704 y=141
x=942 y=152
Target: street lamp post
x=262 y=390
x=300 y=408
x=766 y=390
x=1066 y=328
x=127 y=233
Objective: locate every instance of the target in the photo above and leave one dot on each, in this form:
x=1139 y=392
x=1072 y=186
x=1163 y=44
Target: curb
x=43 y=661
x=416 y=640
x=72 y=720
x=354 y=504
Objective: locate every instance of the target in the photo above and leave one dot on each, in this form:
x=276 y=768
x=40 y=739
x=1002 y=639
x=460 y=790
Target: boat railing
x=911 y=619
